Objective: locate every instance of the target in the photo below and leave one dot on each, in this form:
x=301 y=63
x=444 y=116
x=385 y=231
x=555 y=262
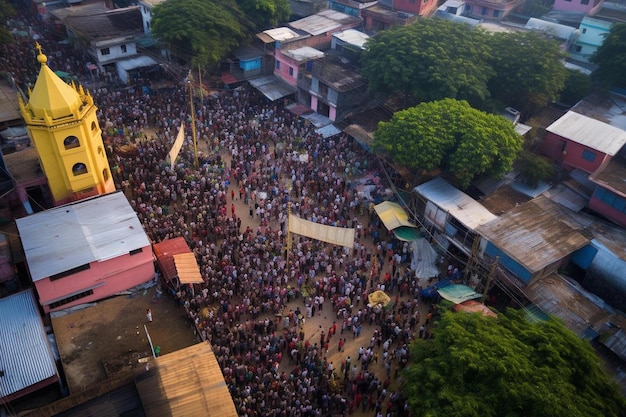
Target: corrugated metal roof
x=551 y=28
x=304 y=53
x=278 y=34
x=566 y=300
x=188 y=382
x=589 y=132
x=187 y=268
x=69 y=236
x=461 y=206
x=536 y=234
x=25 y=355
x=273 y=87
x=352 y=37
x=566 y=197
x=165 y=251
x=324 y=21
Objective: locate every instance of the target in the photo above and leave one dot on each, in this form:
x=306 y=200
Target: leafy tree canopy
x=204 y=31
x=478 y=366
x=453 y=136
x=528 y=70
x=611 y=58
x=265 y=13
x=6 y=11
x=577 y=86
x=429 y=60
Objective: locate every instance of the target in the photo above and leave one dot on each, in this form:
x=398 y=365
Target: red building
x=578 y=141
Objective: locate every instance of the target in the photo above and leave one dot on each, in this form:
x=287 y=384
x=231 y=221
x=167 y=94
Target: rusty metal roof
x=536 y=234
x=188 y=382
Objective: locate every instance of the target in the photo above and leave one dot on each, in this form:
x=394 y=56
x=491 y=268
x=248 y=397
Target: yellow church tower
x=61 y=120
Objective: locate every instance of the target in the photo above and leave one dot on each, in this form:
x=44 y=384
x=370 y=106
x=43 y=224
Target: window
x=105 y=51
x=70 y=299
x=496 y=13
x=94 y=126
x=79 y=169
x=584 y=2
x=277 y=65
x=584 y=30
x=484 y=11
x=71 y=142
x=105 y=174
x=135 y=251
x=123 y=48
x=468 y=8
x=579 y=48
x=69 y=272
x=291 y=71
x=589 y=156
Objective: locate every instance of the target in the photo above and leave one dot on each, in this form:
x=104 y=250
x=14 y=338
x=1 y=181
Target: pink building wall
x=283 y=71
x=418 y=7
x=607 y=211
x=570 y=154
x=332 y=113
x=578 y=6
x=314 y=103
x=112 y=276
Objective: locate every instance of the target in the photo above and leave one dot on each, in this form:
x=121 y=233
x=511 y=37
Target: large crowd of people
x=261 y=163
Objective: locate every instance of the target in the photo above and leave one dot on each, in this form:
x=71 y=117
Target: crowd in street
x=261 y=163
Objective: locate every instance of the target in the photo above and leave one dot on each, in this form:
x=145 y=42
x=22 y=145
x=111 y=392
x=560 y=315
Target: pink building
x=85 y=251
x=588 y=7
x=609 y=196
x=578 y=141
x=490 y=9
x=289 y=62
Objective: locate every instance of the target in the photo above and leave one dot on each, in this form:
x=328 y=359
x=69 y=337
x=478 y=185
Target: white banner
x=341 y=236
x=178 y=143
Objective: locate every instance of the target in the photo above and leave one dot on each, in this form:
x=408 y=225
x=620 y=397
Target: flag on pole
x=178 y=143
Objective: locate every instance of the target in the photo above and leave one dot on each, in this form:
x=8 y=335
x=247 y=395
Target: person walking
x=149 y=315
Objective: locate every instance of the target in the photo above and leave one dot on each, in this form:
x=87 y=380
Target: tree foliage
x=435 y=59
x=429 y=60
x=265 y=13
x=203 y=31
x=452 y=135
x=478 y=366
x=577 y=86
x=6 y=11
x=528 y=68
x=534 y=168
x=611 y=58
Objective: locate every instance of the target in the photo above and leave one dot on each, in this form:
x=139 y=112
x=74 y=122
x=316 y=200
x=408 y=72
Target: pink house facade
x=85 y=251
x=490 y=9
x=578 y=141
x=289 y=62
x=588 y=7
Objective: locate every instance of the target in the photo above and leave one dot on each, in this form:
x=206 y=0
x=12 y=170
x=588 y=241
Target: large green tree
x=202 y=31
x=265 y=13
x=429 y=60
x=478 y=366
x=528 y=70
x=611 y=58
x=451 y=135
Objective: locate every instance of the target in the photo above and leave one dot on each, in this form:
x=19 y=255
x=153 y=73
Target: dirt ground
x=109 y=337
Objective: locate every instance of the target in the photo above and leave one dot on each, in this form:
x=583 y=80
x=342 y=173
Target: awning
x=187 y=268
x=273 y=87
x=136 y=62
x=165 y=251
x=328 y=131
x=392 y=215
x=228 y=78
x=458 y=293
x=407 y=234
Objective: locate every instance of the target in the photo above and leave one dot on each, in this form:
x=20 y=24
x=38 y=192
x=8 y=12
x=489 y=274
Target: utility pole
x=492 y=272
x=193 y=120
